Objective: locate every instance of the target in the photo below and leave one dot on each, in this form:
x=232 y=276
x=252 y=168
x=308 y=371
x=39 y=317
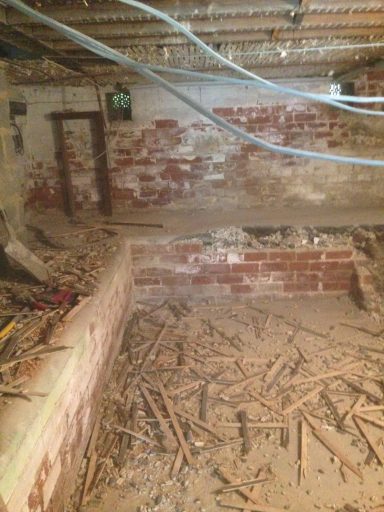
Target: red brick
x=225 y=112
x=309 y=255
x=247 y=268
x=299 y=265
x=338 y=255
x=276 y=266
x=307 y=277
x=282 y=256
x=255 y=256
x=158 y=271
x=124 y=161
x=203 y=280
x=337 y=285
x=323 y=265
x=366 y=279
x=166 y=123
x=174 y=258
x=282 y=276
x=189 y=248
x=179 y=280
x=241 y=288
x=304 y=118
x=147 y=178
x=349 y=264
x=216 y=268
x=230 y=279
x=300 y=287
x=147 y=281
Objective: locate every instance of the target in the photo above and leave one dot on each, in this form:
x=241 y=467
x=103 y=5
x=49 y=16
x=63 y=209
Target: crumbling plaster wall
x=171 y=156
x=11 y=166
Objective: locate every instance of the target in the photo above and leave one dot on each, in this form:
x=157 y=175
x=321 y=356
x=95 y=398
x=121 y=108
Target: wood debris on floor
x=32 y=315
x=235 y=407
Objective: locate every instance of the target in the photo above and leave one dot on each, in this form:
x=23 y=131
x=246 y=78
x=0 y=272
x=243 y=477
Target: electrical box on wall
x=17 y=108
x=119 y=105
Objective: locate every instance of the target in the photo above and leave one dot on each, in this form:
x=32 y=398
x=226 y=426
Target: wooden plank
x=303 y=451
x=177 y=462
x=331 y=446
x=241 y=485
x=302 y=400
x=247 y=506
x=204 y=403
x=231 y=390
x=66 y=181
x=247 y=494
x=264 y=402
x=170 y=440
x=333 y=409
x=131 y=422
x=355 y=407
x=371 y=442
x=327 y=375
x=374 y=398
x=245 y=431
x=196 y=421
x=370 y=419
x=250 y=424
x=136 y=434
x=179 y=433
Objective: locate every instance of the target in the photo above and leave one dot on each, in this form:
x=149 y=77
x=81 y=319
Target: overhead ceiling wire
x=106 y=52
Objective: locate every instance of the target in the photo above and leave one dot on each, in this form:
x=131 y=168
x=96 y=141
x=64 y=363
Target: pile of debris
x=284 y=237
x=31 y=314
x=206 y=400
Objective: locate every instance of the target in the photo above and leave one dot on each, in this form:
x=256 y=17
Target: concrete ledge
x=42 y=442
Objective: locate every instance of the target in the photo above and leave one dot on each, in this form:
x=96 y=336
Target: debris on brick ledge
x=285 y=237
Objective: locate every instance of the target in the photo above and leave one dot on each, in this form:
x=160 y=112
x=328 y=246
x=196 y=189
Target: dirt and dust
x=261 y=358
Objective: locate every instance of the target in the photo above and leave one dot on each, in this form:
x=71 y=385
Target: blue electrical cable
x=106 y=52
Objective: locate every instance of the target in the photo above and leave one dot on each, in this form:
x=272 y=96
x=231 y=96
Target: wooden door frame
x=66 y=181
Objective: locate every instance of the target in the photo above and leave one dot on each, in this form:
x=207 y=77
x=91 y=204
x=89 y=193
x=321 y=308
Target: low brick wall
x=190 y=271
x=42 y=443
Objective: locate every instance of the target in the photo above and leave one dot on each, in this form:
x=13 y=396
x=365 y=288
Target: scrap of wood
x=364 y=329
x=107 y=453
x=231 y=480
x=302 y=400
x=135 y=434
x=179 y=433
x=240 y=365
x=333 y=409
x=252 y=424
x=370 y=419
x=331 y=446
x=170 y=440
x=202 y=424
x=368 y=436
x=241 y=485
x=292 y=336
x=220 y=446
x=177 y=462
x=40 y=352
x=372 y=397
x=371 y=408
x=181 y=389
x=326 y=375
x=356 y=406
x=303 y=451
x=204 y=403
x=291 y=322
x=231 y=390
x=284 y=434
x=132 y=423
x=264 y=402
x=245 y=431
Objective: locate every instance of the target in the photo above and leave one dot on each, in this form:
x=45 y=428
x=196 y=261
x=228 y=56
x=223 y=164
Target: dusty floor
x=263 y=344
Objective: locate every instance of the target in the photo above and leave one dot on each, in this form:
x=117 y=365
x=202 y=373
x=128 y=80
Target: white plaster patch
x=234 y=257
x=214 y=177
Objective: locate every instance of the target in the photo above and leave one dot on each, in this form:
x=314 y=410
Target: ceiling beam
x=187 y=9
x=244 y=24
x=227 y=37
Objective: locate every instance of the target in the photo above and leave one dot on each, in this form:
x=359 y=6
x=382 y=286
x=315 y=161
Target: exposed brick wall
x=186 y=270
x=189 y=162
x=41 y=450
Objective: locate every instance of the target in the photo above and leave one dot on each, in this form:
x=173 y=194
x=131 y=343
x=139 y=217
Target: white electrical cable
x=106 y=52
